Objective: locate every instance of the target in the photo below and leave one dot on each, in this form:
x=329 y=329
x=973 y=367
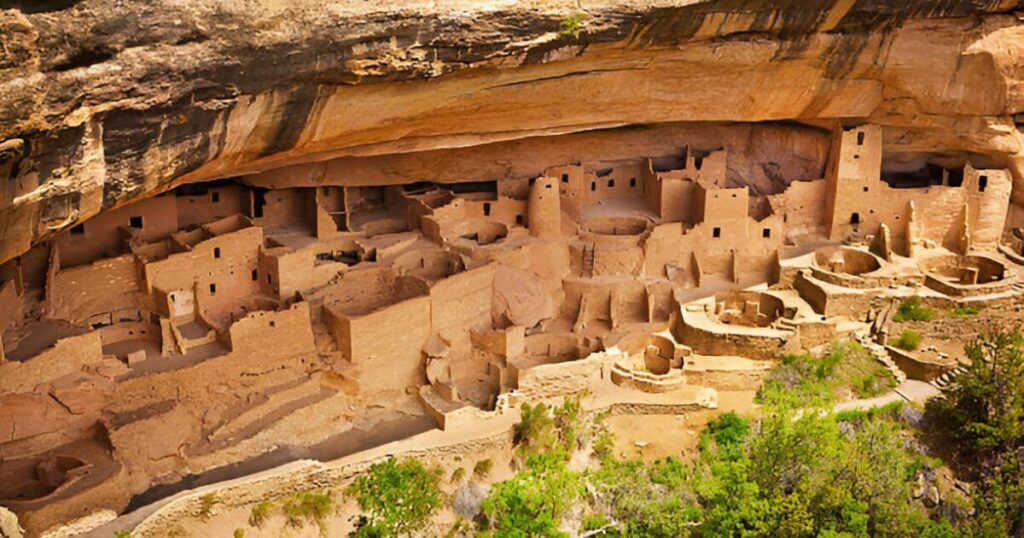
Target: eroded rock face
x=106 y=101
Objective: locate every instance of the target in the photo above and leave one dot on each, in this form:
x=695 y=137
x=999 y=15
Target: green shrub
x=259 y=513
x=239 y=533
x=397 y=498
x=483 y=467
x=122 y=534
x=206 y=504
x=961 y=312
x=604 y=443
x=571 y=25
x=458 y=474
x=307 y=507
x=912 y=310
x=909 y=340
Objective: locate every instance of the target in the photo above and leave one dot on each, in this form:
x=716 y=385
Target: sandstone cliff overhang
x=107 y=101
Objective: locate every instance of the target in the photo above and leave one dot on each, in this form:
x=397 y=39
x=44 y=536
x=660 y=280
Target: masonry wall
x=462 y=303
x=101 y=236
x=260 y=332
x=107 y=285
x=220 y=269
x=387 y=344
x=216 y=203
x=67 y=356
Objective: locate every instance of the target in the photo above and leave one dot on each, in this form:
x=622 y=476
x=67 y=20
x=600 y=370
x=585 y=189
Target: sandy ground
x=650 y=437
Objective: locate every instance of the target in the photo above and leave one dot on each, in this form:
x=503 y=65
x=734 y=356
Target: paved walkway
x=908 y=391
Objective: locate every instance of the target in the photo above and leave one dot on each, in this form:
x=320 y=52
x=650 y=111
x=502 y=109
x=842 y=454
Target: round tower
x=545 y=211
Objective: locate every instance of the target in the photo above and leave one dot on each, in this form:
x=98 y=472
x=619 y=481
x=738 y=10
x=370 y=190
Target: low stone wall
x=915 y=368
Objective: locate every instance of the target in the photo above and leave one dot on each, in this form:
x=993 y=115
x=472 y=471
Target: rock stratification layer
x=104 y=101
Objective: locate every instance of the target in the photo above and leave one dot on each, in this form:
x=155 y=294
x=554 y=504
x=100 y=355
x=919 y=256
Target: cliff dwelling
x=201 y=289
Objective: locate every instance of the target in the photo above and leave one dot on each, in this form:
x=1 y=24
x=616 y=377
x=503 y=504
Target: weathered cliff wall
x=107 y=101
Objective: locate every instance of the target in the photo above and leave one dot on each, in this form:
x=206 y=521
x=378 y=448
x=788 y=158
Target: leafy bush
x=532 y=502
x=122 y=534
x=239 y=533
x=803 y=380
x=396 y=498
x=458 y=474
x=912 y=310
x=483 y=467
x=982 y=415
x=571 y=25
x=259 y=513
x=542 y=429
x=909 y=340
x=961 y=312
x=206 y=504
x=307 y=507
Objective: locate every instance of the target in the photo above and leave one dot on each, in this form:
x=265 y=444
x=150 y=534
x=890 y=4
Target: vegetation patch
x=396 y=498
x=308 y=507
x=909 y=340
x=961 y=312
x=572 y=25
x=259 y=514
x=846 y=370
x=913 y=310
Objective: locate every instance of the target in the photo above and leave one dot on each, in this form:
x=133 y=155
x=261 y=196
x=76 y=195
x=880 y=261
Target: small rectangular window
x=982 y=183
x=632 y=182
x=860 y=139
x=717 y=232
x=766 y=233
x=593 y=186
x=865 y=189
x=269 y=280
x=255 y=275
x=135 y=222
x=611 y=183
x=213 y=289
x=78 y=230
x=487 y=209
x=216 y=252
x=565 y=178
x=215 y=197
x=519 y=219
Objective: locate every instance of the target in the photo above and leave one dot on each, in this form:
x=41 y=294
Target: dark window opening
x=611 y=183
x=860 y=139
x=519 y=219
x=78 y=230
x=982 y=183
x=470 y=187
x=213 y=289
x=854 y=218
x=272 y=324
x=135 y=222
x=269 y=280
x=717 y=232
x=632 y=182
x=255 y=275
x=766 y=233
x=593 y=186
x=548 y=186
x=487 y=209
x=215 y=197
x=856 y=156
x=532 y=181
x=698 y=162
x=259 y=199
x=216 y=252
x=865 y=189
x=565 y=178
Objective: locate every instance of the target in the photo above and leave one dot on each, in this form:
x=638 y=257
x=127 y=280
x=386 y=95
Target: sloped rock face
x=106 y=101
